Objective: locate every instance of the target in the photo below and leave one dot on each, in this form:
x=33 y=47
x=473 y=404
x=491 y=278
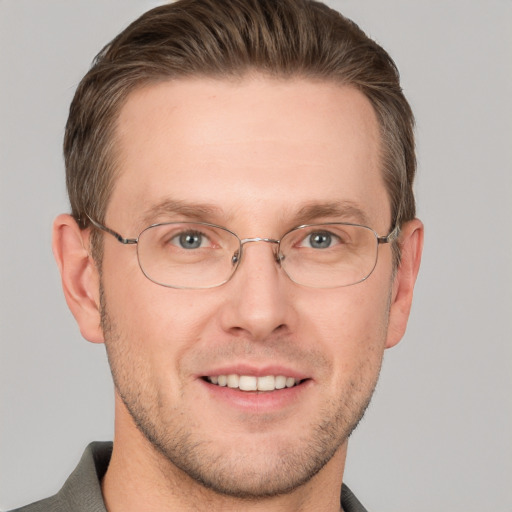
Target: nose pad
x=278 y=255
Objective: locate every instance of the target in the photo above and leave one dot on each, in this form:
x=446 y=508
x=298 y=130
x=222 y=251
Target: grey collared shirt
x=82 y=490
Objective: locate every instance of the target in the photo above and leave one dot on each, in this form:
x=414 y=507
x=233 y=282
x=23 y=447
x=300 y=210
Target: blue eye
x=190 y=240
x=319 y=240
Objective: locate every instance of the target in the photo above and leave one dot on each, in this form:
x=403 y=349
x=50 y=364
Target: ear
x=79 y=274
x=411 y=243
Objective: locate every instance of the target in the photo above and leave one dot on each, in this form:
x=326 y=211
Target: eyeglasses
x=195 y=255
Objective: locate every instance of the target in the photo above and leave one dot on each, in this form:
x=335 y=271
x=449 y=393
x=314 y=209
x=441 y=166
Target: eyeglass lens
x=195 y=255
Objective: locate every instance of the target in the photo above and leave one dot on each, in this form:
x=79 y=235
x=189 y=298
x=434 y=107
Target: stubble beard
x=284 y=470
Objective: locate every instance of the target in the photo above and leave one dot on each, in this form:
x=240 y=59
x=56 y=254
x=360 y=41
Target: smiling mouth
x=252 y=383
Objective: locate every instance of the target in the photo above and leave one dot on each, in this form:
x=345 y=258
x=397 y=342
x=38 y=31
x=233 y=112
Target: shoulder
x=349 y=503
x=82 y=490
x=53 y=504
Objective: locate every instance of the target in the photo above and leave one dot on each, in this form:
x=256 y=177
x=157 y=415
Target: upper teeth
x=252 y=383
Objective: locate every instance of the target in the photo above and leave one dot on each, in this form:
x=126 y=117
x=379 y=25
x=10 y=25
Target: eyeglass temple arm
x=117 y=236
x=389 y=238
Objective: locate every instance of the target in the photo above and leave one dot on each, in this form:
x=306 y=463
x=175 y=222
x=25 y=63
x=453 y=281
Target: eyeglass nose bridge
x=236 y=259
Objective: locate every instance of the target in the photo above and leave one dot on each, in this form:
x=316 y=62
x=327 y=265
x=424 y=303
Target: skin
x=259 y=152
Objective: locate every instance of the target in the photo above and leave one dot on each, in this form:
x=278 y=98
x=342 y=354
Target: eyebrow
x=205 y=212
x=338 y=210
x=168 y=207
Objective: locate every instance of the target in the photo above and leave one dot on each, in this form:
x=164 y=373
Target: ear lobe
x=79 y=274
x=411 y=243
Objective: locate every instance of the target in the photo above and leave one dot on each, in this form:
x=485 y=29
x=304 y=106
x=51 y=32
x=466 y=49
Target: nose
x=260 y=294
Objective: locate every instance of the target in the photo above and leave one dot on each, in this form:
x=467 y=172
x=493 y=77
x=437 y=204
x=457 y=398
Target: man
x=243 y=240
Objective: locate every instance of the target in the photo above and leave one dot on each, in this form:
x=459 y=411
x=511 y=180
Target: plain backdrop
x=438 y=433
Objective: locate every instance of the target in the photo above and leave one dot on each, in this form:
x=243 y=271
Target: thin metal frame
x=391 y=237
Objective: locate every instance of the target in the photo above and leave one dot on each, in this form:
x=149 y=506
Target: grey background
x=438 y=433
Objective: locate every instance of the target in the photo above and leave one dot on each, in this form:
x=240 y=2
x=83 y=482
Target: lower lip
x=257 y=401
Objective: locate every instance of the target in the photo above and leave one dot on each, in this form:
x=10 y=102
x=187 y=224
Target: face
x=259 y=156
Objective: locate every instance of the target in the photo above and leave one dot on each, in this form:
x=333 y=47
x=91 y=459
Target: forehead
x=252 y=146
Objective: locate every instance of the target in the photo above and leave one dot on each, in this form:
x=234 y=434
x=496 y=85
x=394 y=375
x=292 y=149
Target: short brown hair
x=229 y=38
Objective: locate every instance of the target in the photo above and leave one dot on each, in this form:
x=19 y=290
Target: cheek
x=160 y=327
x=149 y=339
x=156 y=323
x=351 y=324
